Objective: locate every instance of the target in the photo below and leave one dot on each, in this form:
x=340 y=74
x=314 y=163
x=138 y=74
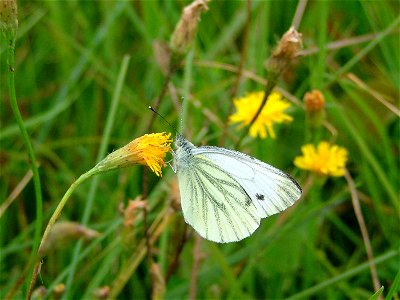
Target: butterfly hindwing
x=270 y=189
x=214 y=203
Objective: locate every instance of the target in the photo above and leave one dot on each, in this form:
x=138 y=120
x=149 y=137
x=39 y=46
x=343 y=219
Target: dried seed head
x=133 y=210
x=8 y=15
x=287 y=50
x=63 y=232
x=289 y=45
x=186 y=28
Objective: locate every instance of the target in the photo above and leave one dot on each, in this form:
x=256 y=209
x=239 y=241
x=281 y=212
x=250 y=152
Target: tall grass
x=68 y=59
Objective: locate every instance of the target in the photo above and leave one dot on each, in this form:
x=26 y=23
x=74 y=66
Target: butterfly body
x=226 y=193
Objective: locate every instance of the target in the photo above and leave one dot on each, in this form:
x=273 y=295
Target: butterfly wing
x=214 y=203
x=270 y=189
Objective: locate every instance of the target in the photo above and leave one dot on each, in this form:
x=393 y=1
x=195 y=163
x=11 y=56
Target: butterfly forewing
x=214 y=202
x=270 y=189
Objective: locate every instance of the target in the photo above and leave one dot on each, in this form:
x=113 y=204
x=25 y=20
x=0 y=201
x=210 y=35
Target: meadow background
x=86 y=73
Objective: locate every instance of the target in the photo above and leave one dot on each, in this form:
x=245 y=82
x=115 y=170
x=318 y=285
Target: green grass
x=85 y=75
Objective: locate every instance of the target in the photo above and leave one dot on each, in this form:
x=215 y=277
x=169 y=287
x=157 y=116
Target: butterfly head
x=182 y=143
x=183 y=153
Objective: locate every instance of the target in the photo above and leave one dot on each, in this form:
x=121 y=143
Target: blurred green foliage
x=68 y=58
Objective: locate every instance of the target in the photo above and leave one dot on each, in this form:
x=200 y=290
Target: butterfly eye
x=260 y=196
x=179 y=140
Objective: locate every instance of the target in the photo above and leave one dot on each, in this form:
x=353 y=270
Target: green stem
x=63 y=201
x=10 y=36
x=187 y=80
x=363 y=52
x=53 y=219
x=347 y=274
x=94 y=184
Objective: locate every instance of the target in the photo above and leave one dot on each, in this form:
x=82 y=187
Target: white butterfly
x=225 y=193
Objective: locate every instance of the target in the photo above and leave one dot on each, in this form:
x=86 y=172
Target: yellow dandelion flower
x=272 y=112
x=149 y=149
x=326 y=159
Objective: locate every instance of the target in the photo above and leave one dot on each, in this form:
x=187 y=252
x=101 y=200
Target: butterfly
x=226 y=193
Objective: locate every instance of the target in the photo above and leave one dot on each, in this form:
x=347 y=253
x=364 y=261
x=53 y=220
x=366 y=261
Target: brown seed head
x=65 y=231
x=286 y=50
x=8 y=15
x=289 y=45
x=186 y=28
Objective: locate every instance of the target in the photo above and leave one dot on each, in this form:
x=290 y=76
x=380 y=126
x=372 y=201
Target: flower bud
x=315 y=107
x=39 y=293
x=102 y=292
x=58 y=291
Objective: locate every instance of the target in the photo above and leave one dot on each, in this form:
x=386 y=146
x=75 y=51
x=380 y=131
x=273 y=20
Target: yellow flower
x=149 y=149
x=272 y=112
x=327 y=159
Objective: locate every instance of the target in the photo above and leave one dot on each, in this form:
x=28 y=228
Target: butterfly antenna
x=181 y=111
x=158 y=114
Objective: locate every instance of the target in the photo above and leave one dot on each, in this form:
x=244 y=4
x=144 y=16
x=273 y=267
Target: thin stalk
x=130 y=265
x=52 y=220
x=395 y=287
x=363 y=52
x=316 y=78
x=187 y=81
x=163 y=92
x=298 y=16
x=197 y=257
x=305 y=294
x=174 y=263
x=145 y=186
x=364 y=231
x=11 y=36
x=239 y=74
x=102 y=152
x=16 y=192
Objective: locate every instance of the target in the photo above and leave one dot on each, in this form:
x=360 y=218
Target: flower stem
x=111 y=117
x=364 y=231
x=11 y=36
x=239 y=74
x=53 y=219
